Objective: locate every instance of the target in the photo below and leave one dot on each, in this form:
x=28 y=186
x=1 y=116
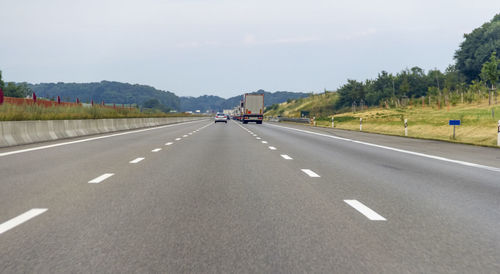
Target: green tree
x=349 y=93
x=453 y=79
x=490 y=73
x=152 y=103
x=13 y=90
x=404 y=88
x=477 y=47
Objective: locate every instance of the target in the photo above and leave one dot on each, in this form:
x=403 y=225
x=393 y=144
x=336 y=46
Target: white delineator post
x=360 y=124
x=314 y=119
x=498 y=140
x=333 y=122
x=406 y=127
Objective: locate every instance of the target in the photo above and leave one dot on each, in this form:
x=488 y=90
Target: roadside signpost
x=454 y=123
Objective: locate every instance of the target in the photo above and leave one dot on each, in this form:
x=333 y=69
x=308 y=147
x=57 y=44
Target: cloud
x=247 y=40
x=359 y=34
x=196 y=44
x=250 y=40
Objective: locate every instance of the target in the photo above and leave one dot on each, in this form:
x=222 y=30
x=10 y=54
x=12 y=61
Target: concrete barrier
x=13 y=133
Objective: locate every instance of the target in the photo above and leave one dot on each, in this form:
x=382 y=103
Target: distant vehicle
x=252 y=108
x=221 y=117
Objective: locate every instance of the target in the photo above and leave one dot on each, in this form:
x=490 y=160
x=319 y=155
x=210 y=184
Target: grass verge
x=12 y=112
x=479 y=122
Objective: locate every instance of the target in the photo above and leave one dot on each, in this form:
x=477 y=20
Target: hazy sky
x=221 y=47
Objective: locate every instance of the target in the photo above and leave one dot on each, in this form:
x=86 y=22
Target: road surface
x=201 y=197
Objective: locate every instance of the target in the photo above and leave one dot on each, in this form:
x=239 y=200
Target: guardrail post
x=498 y=140
x=360 y=124
x=406 y=127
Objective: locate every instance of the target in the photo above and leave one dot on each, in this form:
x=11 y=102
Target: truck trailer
x=252 y=108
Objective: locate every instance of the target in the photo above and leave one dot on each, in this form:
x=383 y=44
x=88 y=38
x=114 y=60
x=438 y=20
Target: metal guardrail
x=294 y=120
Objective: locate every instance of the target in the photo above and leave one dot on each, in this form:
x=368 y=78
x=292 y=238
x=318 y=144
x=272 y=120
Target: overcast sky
x=225 y=48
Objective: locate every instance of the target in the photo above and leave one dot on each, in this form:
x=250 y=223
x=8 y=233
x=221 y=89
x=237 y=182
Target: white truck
x=253 y=108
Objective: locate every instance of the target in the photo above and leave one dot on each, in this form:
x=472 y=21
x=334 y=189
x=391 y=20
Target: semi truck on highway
x=252 y=108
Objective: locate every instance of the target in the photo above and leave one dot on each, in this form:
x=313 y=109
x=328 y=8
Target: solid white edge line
x=32 y=213
x=286 y=157
x=101 y=178
x=310 y=173
x=490 y=168
x=90 y=139
x=368 y=212
x=136 y=160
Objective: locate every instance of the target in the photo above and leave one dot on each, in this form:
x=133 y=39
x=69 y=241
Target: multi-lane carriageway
x=271 y=198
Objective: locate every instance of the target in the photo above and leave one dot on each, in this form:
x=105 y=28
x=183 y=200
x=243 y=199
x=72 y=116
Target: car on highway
x=220 y=117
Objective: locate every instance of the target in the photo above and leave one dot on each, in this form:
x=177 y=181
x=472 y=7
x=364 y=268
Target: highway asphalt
x=201 y=197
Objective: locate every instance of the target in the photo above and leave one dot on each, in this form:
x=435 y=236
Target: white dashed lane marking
x=272 y=148
x=89 y=139
x=32 y=213
x=286 y=157
x=310 y=173
x=184 y=136
x=137 y=160
x=156 y=150
x=168 y=144
x=177 y=139
x=264 y=142
x=101 y=178
x=258 y=138
x=368 y=212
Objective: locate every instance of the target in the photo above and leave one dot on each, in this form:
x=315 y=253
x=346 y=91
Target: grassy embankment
x=317 y=104
x=478 y=127
x=12 y=112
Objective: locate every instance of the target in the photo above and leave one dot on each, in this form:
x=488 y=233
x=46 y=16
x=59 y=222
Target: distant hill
x=203 y=103
x=217 y=103
x=125 y=93
x=109 y=92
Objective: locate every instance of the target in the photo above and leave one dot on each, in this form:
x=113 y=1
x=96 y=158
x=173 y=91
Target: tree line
x=104 y=91
x=12 y=89
x=474 y=76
